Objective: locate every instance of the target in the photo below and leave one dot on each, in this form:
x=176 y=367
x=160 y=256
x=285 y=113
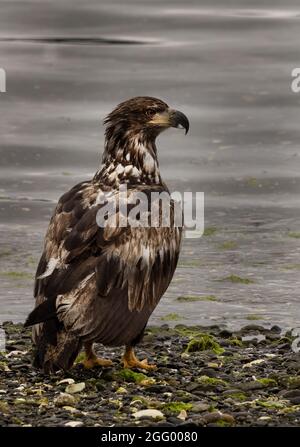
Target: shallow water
x=229 y=69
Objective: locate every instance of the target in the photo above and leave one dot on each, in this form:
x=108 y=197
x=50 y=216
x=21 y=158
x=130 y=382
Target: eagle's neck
x=131 y=159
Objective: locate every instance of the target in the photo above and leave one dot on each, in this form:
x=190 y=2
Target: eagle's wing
x=101 y=282
x=65 y=261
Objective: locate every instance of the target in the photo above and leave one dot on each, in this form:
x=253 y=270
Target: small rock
x=74 y=424
x=16 y=353
x=4 y=408
x=70 y=409
x=182 y=415
x=254 y=363
x=200 y=407
x=174 y=420
x=64 y=399
x=209 y=372
x=230 y=391
x=150 y=413
x=75 y=388
x=249 y=386
x=121 y=390
x=192 y=386
x=217 y=416
x=253 y=328
x=156 y=389
x=276 y=329
x=213 y=365
x=241 y=415
x=273 y=337
x=165 y=424
x=147 y=382
x=290 y=394
x=225 y=333
x=4 y=367
x=68 y=381
x=166 y=394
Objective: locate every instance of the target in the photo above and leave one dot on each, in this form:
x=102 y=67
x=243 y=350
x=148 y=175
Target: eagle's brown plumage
x=98 y=284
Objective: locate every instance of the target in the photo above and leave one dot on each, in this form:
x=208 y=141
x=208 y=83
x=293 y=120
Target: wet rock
x=218 y=416
x=195 y=385
x=158 y=389
x=182 y=415
x=225 y=333
x=149 y=413
x=68 y=381
x=121 y=390
x=65 y=399
x=290 y=394
x=4 y=407
x=75 y=388
x=209 y=372
x=71 y=409
x=250 y=328
x=241 y=415
x=188 y=424
x=250 y=386
x=276 y=329
x=74 y=424
x=165 y=424
x=199 y=407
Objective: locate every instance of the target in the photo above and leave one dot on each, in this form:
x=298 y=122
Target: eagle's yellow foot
x=130 y=361
x=96 y=361
x=91 y=360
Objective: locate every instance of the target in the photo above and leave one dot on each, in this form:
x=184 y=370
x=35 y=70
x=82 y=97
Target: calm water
x=69 y=63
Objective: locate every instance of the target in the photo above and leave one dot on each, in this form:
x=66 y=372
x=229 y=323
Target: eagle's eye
x=150 y=112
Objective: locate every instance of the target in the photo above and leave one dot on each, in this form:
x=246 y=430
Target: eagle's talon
x=139 y=365
x=91 y=360
x=94 y=362
x=130 y=361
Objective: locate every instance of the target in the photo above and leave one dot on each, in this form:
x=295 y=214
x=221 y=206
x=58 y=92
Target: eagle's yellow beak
x=171 y=118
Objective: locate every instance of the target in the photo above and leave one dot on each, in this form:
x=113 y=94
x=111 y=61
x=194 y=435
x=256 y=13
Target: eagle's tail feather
x=56 y=352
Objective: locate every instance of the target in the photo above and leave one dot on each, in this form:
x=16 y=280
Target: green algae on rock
x=131 y=376
x=234 y=341
x=176 y=407
x=228 y=245
x=211 y=381
x=237 y=279
x=266 y=381
x=203 y=342
x=212 y=390
x=16 y=275
x=209 y=231
x=171 y=317
x=294 y=234
x=253 y=317
x=191 y=298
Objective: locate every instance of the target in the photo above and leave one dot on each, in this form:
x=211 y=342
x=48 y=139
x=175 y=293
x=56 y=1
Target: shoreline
x=205 y=377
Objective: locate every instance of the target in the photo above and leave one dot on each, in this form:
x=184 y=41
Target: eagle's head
x=145 y=116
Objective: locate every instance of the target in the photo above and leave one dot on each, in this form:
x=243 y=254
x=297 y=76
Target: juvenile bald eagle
x=101 y=284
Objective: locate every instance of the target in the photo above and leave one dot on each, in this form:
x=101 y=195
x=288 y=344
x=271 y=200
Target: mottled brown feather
x=103 y=284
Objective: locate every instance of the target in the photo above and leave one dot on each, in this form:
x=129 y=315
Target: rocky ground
x=205 y=377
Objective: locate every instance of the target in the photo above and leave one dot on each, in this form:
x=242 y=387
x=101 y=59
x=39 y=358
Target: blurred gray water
x=68 y=63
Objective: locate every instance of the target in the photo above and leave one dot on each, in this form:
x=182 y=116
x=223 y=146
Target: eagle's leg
x=92 y=360
x=130 y=360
